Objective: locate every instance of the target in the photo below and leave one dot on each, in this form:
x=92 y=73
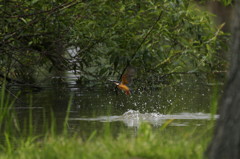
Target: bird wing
x=128 y=76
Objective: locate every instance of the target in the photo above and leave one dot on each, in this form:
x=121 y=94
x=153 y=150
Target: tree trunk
x=226 y=141
x=223 y=14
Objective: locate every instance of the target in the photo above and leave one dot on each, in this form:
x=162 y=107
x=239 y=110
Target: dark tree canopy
x=157 y=37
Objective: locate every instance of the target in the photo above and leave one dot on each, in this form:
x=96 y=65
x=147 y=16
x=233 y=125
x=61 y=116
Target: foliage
x=227 y=2
x=33 y=36
x=147 y=144
x=99 y=38
x=8 y=120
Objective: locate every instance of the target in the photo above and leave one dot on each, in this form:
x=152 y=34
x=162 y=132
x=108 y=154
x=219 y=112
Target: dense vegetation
x=99 y=38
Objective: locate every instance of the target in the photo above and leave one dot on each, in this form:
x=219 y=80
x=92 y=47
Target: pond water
x=186 y=104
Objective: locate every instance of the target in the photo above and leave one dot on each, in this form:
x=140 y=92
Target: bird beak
x=114 y=81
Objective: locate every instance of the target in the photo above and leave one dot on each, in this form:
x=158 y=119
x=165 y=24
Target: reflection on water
x=187 y=104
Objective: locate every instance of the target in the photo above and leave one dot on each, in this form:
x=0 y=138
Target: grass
x=165 y=143
x=146 y=145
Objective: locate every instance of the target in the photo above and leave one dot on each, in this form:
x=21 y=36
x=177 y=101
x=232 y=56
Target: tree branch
x=142 y=42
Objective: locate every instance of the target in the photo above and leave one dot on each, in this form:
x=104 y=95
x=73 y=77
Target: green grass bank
x=147 y=144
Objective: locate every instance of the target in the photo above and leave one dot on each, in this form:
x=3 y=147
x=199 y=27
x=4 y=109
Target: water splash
x=133 y=118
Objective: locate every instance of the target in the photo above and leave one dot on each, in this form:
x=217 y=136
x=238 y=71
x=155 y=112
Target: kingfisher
x=126 y=80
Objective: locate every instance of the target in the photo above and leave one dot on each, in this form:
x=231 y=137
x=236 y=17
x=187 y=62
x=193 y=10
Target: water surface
x=186 y=104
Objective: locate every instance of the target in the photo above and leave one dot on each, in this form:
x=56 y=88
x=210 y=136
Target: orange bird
x=125 y=80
